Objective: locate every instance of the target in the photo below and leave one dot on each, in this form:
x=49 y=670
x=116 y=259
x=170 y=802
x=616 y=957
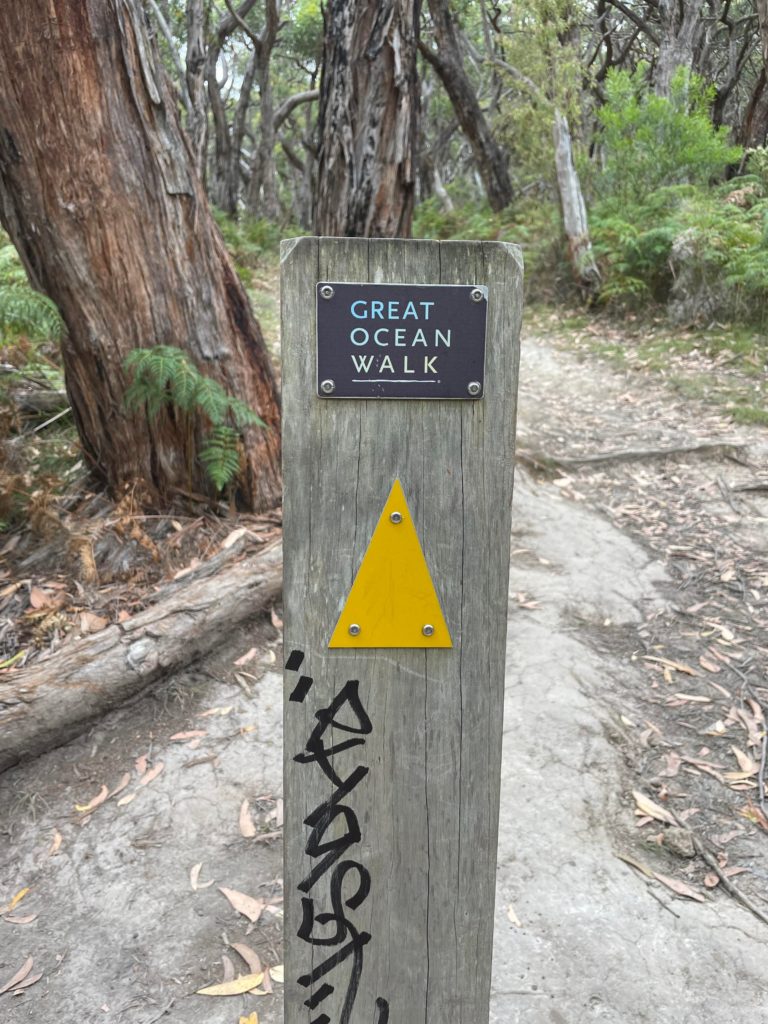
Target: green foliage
x=165 y=376
x=650 y=141
x=541 y=43
x=469 y=218
x=532 y=224
x=719 y=235
x=633 y=242
x=251 y=240
x=303 y=33
x=23 y=311
x=220 y=456
x=757 y=165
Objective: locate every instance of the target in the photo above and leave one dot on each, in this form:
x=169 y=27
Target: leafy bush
x=709 y=243
x=164 y=375
x=650 y=141
x=633 y=242
x=534 y=224
x=23 y=311
x=250 y=240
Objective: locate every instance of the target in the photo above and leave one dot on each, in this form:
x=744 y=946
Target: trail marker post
x=399 y=393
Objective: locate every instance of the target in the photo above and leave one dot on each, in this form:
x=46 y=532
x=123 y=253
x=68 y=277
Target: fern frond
x=243 y=415
x=184 y=385
x=24 y=311
x=213 y=400
x=165 y=375
x=220 y=456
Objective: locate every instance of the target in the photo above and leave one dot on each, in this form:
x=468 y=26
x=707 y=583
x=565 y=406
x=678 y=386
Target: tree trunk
x=219 y=183
x=448 y=62
x=58 y=698
x=681 y=23
x=262 y=189
x=754 y=131
x=229 y=156
x=574 y=209
x=99 y=194
x=368 y=119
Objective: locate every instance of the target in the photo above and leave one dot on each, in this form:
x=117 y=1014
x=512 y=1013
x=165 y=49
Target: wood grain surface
x=421 y=729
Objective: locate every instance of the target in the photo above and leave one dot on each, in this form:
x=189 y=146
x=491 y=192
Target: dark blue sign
x=400 y=340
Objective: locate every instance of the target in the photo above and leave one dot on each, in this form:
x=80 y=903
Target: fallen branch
x=711 y=861
x=540 y=459
x=727 y=884
x=57 y=698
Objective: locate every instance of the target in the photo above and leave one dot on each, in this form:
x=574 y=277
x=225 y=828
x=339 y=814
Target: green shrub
x=650 y=141
x=534 y=224
x=24 y=312
x=251 y=240
x=633 y=242
x=723 y=232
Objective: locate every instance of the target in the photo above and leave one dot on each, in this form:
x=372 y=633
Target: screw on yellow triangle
x=392 y=602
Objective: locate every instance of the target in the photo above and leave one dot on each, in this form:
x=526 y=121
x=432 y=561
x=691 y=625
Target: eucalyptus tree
x=448 y=59
x=100 y=196
x=368 y=119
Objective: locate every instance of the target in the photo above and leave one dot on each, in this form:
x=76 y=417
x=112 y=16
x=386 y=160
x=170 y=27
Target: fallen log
x=59 y=697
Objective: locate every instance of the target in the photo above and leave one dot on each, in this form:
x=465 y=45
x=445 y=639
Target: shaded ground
x=636 y=659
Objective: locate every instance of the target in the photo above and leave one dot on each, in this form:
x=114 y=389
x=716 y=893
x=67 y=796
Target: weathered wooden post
x=396 y=548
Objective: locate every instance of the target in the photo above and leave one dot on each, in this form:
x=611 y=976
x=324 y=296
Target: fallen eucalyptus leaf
x=19 y=976
x=194 y=878
x=236 y=987
x=679 y=887
x=651 y=809
x=247 y=827
x=98 y=799
x=243 y=904
x=151 y=775
x=250 y=956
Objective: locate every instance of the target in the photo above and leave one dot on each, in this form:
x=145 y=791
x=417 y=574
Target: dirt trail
x=121 y=936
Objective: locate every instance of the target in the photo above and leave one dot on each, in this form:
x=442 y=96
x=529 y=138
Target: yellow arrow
x=392 y=602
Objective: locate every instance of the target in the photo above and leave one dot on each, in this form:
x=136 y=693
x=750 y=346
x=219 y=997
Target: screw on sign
x=396 y=558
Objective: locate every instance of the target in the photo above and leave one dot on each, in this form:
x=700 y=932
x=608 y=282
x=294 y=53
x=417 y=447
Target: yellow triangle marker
x=392 y=602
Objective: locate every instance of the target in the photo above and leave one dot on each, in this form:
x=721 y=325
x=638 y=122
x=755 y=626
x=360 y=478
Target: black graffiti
x=349 y=880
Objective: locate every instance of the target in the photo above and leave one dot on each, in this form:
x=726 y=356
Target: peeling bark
x=581 y=256
x=197 y=119
x=99 y=194
x=368 y=119
x=681 y=25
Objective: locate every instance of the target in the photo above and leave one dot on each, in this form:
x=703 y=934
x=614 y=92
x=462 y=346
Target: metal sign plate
x=400 y=340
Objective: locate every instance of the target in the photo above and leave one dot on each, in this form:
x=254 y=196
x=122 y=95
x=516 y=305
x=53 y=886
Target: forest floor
x=633 y=853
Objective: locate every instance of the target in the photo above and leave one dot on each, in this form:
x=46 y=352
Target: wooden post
x=393 y=755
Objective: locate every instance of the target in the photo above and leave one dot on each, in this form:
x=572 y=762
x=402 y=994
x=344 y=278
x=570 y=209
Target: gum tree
x=99 y=194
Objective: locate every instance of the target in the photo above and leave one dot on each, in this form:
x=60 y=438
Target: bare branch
x=292 y=155
x=239 y=20
x=635 y=18
x=286 y=108
x=229 y=22
x=520 y=77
